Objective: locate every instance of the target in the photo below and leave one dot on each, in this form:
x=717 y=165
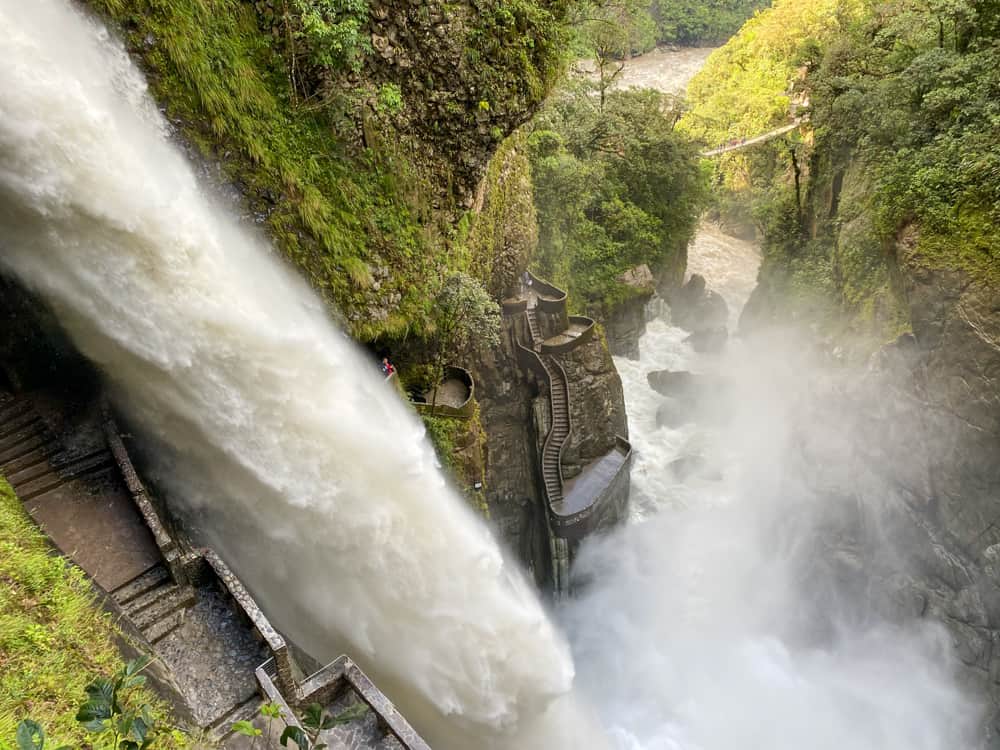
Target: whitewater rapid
x=691 y=631
x=288 y=453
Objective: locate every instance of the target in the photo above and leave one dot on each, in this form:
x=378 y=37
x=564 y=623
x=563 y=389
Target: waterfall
x=289 y=454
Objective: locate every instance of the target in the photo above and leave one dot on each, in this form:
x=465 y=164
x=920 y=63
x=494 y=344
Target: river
x=691 y=631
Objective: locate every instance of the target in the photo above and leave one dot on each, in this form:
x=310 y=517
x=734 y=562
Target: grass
x=54 y=638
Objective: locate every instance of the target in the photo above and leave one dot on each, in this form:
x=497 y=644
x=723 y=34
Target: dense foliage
x=53 y=636
x=913 y=93
x=701 y=22
x=615 y=187
x=902 y=140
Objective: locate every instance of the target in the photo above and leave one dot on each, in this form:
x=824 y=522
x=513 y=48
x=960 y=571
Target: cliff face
x=380 y=166
x=359 y=150
x=922 y=436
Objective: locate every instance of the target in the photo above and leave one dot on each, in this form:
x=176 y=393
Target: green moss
x=54 y=638
x=334 y=212
x=460 y=446
x=971 y=246
x=500 y=239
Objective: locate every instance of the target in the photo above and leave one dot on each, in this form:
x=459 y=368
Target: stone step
x=9 y=427
x=35 y=429
x=179 y=597
x=13 y=408
x=27 y=455
x=56 y=478
x=67 y=462
x=222 y=727
x=162 y=628
x=127 y=592
x=150 y=597
x=33 y=466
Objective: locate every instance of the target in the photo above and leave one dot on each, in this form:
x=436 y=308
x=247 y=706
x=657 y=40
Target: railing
x=168 y=546
x=258 y=620
x=569 y=420
x=181 y=565
x=576 y=525
x=586 y=334
x=551 y=299
x=325 y=685
x=463 y=411
x=512 y=307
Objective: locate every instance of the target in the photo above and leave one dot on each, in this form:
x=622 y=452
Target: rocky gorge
x=743 y=483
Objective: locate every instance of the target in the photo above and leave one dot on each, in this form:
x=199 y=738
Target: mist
x=722 y=617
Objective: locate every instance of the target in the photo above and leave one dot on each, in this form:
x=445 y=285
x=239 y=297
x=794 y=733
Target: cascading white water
x=699 y=595
x=300 y=466
x=692 y=631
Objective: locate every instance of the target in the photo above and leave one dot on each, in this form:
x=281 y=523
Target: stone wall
x=597 y=404
x=514 y=493
x=917 y=445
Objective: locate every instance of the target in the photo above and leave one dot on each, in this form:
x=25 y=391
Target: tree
x=467 y=320
x=614 y=188
x=610 y=32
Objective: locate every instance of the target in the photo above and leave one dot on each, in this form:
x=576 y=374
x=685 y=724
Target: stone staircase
x=32 y=458
x=154 y=603
x=559 y=400
x=37 y=466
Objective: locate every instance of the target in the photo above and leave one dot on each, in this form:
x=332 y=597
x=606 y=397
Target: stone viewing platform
x=455 y=396
x=596 y=497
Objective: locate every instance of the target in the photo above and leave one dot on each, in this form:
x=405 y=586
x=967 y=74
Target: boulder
x=695 y=307
x=626 y=322
x=693 y=466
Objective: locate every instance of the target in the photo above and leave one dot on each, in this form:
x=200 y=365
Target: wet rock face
x=626 y=323
x=709 y=340
x=694 y=307
x=513 y=493
x=462 y=93
x=925 y=454
x=597 y=404
x=625 y=326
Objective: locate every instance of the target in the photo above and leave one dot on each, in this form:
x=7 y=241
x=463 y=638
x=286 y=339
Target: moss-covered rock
x=361 y=174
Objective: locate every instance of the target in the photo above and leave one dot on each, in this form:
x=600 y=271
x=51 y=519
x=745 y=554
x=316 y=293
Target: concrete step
x=56 y=478
x=13 y=408
x=222 y=727
x=30 y=436
x=150 y=597
x=177 y=598
x=33 y=466
x=9 y=427
x=155 y=576
x=162 y=628
x=24 y=456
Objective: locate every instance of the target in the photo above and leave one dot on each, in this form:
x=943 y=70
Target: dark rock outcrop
x=513 y=493
x=626 y=323
x=695 y=307
x=918 y=438
x=597 y=406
